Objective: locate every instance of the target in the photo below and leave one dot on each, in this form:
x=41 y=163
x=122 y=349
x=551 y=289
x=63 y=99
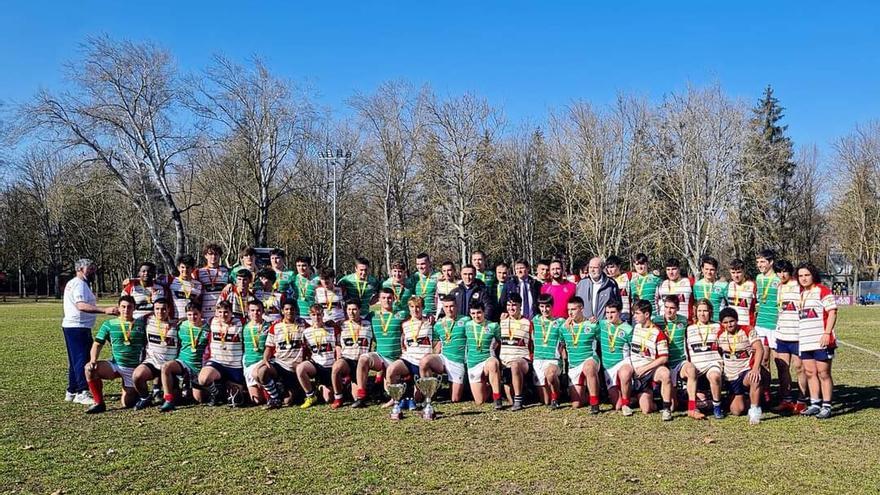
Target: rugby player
x=223 y=370
x=741 y=352
x=709 y=287
x=579 y=338
x=256 y=330
x=213 y=278
x=387 y=327
x=450 y=333
x=614 y=338
x=649 y=353
x=516 y=348
x=355 y=340
x=547 y=342
x=285 y=350
x=361 y=285
x=162 y=346
x=678 y=286
x=817 y=340
x=193 y=337
x=483 y=338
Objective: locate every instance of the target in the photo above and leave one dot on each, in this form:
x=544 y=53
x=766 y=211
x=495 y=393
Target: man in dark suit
x=471 y=290
x=525 y=285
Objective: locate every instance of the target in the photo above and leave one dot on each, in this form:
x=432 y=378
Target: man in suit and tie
x=527 y=287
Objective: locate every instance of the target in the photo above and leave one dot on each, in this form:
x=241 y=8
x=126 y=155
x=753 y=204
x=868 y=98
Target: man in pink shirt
x=560 y=289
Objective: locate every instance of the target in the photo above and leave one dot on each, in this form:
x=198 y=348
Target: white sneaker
x=69 y=396
x=84 y=398
x=626 y=410
x=755 y=415
x=666 y=415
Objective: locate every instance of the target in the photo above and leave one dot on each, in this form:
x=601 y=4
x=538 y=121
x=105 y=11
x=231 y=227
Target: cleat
x=309 y=402
x=236 y=399
x=554 y=404
x=336 y=404
x=498 y=405
x=754 y=415
x=696 y=414
x=166 y=406
x=785 y=408
x=96 y=408
x=69 y=396
x=517 y=405
x=666 y=415
x=717 y=412
x=272 y=404
x=811 y=411
x=359 y=404
x=626 y=410
x=84 y=398
x=799 y=408
x=825 y=413
x=143 y=403
x=157 y=395
x=594 y=409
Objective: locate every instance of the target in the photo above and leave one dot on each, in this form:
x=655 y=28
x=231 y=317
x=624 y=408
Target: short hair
x=192 y=306
x=767 y=254
x=423 y=256
x=327 y=274
x=707 y=303
x=148 y=264
x=314 y=307
x=616 y=304
x=477 y=305
x=186 y=259
x=709 y=260
x=291 y=303
x=416 y=300
x=514 y=298
x=613 y=260
x=398 y=265
x=783 y=265
x=557 y=260
x=641 y=258
x=244 y=273
x=448 y=263
x=351 y=302
x=267 y=273
x=737 y=264
x=501 y=264
x=448 y=298
x=523 y=262
x=211 y=246
x=278 y=252
x=256 y=302
x=224 y=304
x=478 y=251
x=544 y=262
x=671 y=298
x=642 y=306
x=303 y=259
x=672 y=262
x=806 y=265
x=361 y=261
x=160 y=300
x=247 y=251
x=472 y=267
x=386 y=290
x=83 y=264
x=576 y=300
x=728 y=313
x=545 y=299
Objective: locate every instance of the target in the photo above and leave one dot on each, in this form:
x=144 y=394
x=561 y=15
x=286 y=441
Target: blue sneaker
x=411 y=404
x=719 y=414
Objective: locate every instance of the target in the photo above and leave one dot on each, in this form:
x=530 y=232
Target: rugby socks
x=337 y=396
x=554 y=395
x=361 y=393
x=667 y=405
x=496 y=396
x=594 y=400
x=815 y=402
x=96 y=387
x=692 y=405
x=272 y=388
x=826 y=404
x=168 y=397
x=517 y=399
x=310 y=394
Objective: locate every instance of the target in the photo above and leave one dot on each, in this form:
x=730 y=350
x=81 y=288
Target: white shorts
x=125 y=373
x=540 y=366
x=454 y=371
x=611 y=374
x=376 y=357
x=475 y=373
x=768 y=336
x=575 y=375
x=249 y=377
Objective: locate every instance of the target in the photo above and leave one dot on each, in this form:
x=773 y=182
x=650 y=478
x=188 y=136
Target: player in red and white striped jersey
x=787 y=332
x=741 y=351
x=266 y=291
x=649 y=353
x=319 y=343
x=213 y=277
x=355 y=339
x=703 y=357
x=818 y=314
x=144 y=289
x=184 y=288
x=678 y=286
x=225 y=351
x=741 y=294
x=516 y=348
x=286 y=348
x=162 y=346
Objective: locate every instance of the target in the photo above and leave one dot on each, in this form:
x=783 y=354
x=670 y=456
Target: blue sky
x=823 y=60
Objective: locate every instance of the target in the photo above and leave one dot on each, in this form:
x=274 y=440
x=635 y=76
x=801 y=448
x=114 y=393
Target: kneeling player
x=614 y=337
x=675 y=328
x=387 y=325
x=482 y=342
x=418 y=342
x=355 y=339
x=516 y=348
x=256 y=331
x=223 y=370
x=547 y=342
x=649 y=352
x=704 y=361
x=320 y=343
x=741 y=351
x=193 y=336
x=284 y=353
x=127 y=339
x=162 y=347
x=579 y=336
x=450 y=333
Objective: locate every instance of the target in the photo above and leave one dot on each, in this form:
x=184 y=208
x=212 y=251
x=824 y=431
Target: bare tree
x=120 y=113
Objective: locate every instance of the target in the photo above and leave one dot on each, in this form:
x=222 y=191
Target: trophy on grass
x=396 y=391
x=428 y=386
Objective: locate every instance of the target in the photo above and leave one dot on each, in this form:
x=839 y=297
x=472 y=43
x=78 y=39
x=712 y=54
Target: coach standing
x=80 y=308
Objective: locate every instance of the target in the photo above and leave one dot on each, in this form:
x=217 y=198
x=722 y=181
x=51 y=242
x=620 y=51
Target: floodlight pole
x=333 y=159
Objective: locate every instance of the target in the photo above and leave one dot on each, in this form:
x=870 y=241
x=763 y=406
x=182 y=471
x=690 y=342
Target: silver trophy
x=396 y=391
x=428 y=386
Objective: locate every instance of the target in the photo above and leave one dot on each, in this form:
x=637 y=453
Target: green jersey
x=614 y=341
x=127 y=340
x=233 y=273
x=426 y=288
x=546 y=338
x=362 y=290
x=450 y=332
x=387 y=328
x=193 y=341
x=715 y=292
x=488 y=278
x=644 y=287
x=481 y=340
x=283 y=281
x=676 y=333
x=401 y=295
x=767 y=292
x=304 y=290
x=580 y=341
x=255 y=342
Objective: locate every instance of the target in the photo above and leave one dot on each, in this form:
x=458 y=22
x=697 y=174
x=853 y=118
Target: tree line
x=136 y=159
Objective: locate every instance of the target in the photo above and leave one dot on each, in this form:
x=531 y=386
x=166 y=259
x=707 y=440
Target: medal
x=126 y=334
x=447 y=329
x=478 y=336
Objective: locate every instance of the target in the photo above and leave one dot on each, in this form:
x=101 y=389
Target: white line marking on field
x=852 y=370
x=873 y=353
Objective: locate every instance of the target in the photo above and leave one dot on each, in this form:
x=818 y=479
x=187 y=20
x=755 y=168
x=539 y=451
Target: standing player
x=213 y=278
x=649 y=353
x=741 y=352
x=613 y=267
x=817 y=340
x=224 y=358
x=355 y=340
x=193 y=336
x=145 y=289
x=450 y=333
x=674 y=326
x=330 y=297
x=361 y=285
x=240 y=294
x=615 y=336
x=283 y=281
x=387 y=327
x=267 y=291
x=678 y=286
x=547 y=342
x=303 y=287
x=397 y=282
x=560 y=289
x=542 y=271
x=320 y=343
x=643 y=283
x=516 y=348
x=162 y=347
x=423 y=283
x=787 y=336
x=483 y=337
x=446 y=283
x=766 y=309
x=418 y=342
x=127 y=339
x=247 y=260
x=184 y=288
x=709 y=287
x=478 y=259
x=741 y=294
x=285 y=347
x=579 y=337
x=705 y=359
x=255 y=333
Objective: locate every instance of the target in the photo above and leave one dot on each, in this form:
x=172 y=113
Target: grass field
x=47 y=445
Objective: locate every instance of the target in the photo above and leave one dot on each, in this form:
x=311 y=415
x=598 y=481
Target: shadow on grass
x=849 y=399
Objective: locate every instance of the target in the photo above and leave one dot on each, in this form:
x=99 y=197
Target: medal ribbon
x=576 y=336
x=126 y=335
x=447 y=329
x=478 y=336
x=612 y=337
x=545 y=330
x=385 y=324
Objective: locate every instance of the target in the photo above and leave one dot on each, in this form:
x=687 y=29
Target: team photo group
x=634 y=334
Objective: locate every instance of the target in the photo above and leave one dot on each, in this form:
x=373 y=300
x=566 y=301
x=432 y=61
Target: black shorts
x=352 y=365
x=507 y=375
x=644 y=384
x=157 y=373
x=738 y=386
x=414 y=371
x=285 y=376
x=323 y=374
x=227 y=374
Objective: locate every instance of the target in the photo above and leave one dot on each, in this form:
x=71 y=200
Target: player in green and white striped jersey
x=303 y=285
x=387 y=326
x=361 y=285
x=193 y=336
x=247 y=260
x=478 y=259
x=397 y=282
x=615 y=336
x=643 y=284
x=709 y=287
x=450 y=333
x=423 y=283
x=547 y=343
x=483 y=339
x=256 y=330
x=283 y=277
x=766 y=310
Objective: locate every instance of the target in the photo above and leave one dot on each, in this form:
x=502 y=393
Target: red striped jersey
x=225 y=342
x=321 y=342
x=736 y=350
x=815 y=304
x=287 y=340
x=355 y=338
x=332 y=301
x=741 y=297
x=162 y=341
x=182 y=292
x=788 y=322
x=683 y=289
x=702 y=347
x=647 y=344
x=516 y=337
x=143 y=296
x=417 y=339
x=213 y=281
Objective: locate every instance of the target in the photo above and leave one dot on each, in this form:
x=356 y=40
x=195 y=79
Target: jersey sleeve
x=826 y=297
x=270 y=336
x=661 y=344
x=103 y=333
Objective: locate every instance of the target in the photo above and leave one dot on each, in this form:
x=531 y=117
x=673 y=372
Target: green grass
x=48 y=445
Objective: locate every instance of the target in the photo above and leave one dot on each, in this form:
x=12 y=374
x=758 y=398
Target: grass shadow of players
x=849 y=399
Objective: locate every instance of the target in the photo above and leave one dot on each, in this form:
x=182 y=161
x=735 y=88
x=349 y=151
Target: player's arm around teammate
x=649 y=353
x=449 y=354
